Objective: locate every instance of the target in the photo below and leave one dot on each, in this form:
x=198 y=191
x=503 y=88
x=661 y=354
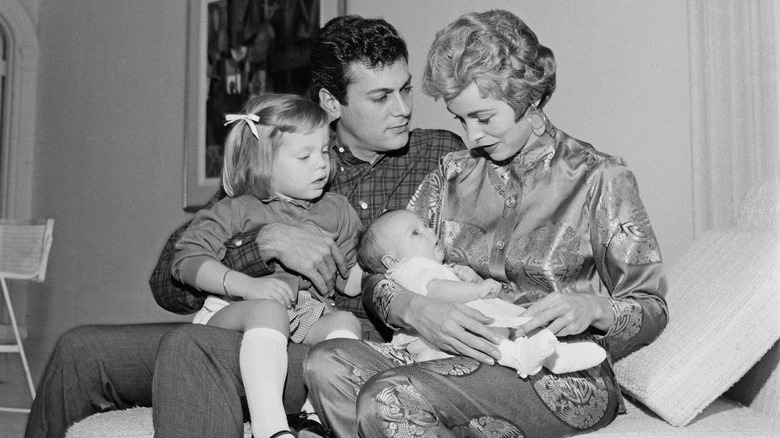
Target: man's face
x=376 y=118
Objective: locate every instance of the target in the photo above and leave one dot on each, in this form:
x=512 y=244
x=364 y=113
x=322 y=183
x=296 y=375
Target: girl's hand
x=489 y=288
x=273 y=289
x=465 y=273
x=568 y=314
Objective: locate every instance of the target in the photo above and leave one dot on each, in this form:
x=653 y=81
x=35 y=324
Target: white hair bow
x=250 y=120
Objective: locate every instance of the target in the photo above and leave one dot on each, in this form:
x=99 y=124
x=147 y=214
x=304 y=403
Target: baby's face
x=405 y=236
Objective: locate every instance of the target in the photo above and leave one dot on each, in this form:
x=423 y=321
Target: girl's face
x=490 y=124
x=302 y=165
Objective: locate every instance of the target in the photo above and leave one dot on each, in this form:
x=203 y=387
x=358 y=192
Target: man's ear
x=330 y=104
x=389 y=261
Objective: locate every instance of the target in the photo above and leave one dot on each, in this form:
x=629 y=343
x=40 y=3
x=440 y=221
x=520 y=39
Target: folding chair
x=24 y=252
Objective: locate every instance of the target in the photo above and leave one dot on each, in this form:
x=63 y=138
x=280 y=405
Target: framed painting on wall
x=235 y=49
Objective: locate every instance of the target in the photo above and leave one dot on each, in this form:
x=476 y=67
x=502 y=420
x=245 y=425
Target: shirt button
x=511 y=201
x=341 y=149
x=363 y=205
x=341 y=168
x=238 y=242
x=500 y=244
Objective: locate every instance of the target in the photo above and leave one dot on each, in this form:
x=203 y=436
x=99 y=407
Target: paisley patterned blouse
x=560 y=217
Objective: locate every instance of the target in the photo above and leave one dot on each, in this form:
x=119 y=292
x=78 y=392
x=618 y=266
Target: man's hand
x=453 y=327
x=305 y=249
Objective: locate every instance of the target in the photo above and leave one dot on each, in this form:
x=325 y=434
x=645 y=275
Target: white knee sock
x=263 y=360
x=308 y=407
x=335 y=334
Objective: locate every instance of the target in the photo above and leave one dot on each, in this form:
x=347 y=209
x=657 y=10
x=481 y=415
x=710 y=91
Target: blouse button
x=511 y=201
x=500 y=244
x=363 y=205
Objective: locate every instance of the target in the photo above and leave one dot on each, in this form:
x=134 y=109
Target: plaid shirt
x=386 y=184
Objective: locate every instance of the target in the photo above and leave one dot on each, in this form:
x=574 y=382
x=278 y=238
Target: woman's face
x=490 y=124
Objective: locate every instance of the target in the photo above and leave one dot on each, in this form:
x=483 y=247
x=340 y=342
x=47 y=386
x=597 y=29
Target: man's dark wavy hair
x=348 y=39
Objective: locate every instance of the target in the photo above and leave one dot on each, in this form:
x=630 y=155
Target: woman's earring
x=538 y=122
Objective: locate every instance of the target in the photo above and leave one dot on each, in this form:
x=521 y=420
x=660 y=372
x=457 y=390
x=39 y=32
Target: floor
x=13 y=393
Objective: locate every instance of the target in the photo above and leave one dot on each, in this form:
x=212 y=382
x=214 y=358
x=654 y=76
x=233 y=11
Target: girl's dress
x=210 y=232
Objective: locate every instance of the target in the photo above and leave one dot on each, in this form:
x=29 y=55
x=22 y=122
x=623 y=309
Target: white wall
x=110 y=129
x=110 y=133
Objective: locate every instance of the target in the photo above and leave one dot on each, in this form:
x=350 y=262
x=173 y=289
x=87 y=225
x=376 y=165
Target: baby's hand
x=465 y=273
x=489 y=288
x=273 y=289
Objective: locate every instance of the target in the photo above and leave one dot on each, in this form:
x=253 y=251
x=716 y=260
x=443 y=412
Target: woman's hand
x=271 y=289
x=453 y=327
x=568 y=314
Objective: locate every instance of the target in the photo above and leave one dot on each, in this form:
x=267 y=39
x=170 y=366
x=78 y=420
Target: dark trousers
x=189 y=372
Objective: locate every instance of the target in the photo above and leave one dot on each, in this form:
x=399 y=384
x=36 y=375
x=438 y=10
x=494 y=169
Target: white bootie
x=528 y=355
x=576 y=356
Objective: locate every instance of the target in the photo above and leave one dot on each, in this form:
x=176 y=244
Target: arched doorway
x=17 y=109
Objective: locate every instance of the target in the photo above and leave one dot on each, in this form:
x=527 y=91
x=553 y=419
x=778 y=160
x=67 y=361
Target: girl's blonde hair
x=248 y=161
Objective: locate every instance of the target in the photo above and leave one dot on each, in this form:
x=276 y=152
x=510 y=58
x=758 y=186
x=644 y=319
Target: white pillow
x=724 y=314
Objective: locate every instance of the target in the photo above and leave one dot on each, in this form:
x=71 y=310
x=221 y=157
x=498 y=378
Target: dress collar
x=296 y=202
x=541 y=149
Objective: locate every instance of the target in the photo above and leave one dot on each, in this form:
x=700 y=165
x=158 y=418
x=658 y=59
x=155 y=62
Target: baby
x=399 y=245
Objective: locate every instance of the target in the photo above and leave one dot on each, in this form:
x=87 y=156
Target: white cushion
x=723 y=317
x=128 y=423
x=721 y=419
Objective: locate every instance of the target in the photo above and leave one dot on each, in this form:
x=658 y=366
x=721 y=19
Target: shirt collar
x=345 y=152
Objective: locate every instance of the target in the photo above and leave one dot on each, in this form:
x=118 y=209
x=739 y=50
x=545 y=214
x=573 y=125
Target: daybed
x=714 y=371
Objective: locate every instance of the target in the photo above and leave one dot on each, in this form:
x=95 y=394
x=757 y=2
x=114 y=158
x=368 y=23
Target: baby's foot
x=576 y=356
x=527 y=355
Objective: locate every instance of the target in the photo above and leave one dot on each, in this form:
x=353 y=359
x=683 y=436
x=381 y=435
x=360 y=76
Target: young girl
x=398 y=244
x=275 y=169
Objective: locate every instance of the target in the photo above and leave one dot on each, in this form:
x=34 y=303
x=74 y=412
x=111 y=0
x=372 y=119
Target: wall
x=110 y=129
x=109 y=158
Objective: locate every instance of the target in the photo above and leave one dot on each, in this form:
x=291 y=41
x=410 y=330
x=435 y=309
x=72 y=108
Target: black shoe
x=305 y=427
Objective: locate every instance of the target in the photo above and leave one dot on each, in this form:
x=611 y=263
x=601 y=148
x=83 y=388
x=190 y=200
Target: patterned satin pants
x=372 y=390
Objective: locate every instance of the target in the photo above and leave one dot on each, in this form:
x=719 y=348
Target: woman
x=559 y=224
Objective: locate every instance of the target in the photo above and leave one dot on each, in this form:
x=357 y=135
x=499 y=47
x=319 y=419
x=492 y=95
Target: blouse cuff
x=384 y=293
x=628 y=319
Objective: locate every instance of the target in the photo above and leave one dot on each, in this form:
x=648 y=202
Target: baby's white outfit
x=527 y=355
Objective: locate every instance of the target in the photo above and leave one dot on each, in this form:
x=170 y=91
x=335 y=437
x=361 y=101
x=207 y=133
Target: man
x=360 y=70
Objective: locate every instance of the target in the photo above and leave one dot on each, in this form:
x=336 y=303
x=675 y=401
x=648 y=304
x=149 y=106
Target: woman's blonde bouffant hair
x=248 y=160
x=498 y=52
